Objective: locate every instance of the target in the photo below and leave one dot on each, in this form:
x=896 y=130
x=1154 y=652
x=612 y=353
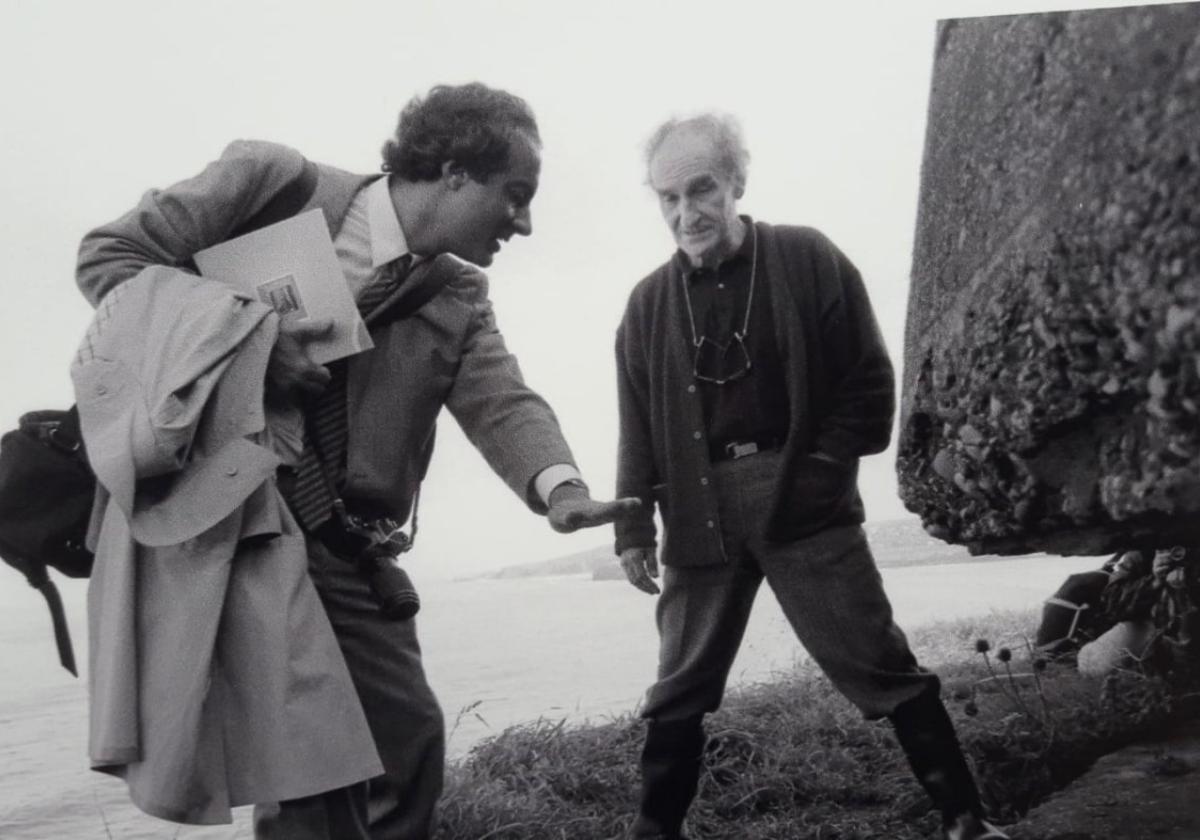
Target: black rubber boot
x=929 y=742
x=671 y=759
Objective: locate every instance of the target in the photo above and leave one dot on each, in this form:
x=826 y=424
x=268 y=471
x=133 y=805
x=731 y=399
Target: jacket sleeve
x=169 y=225
x=510 y=424
x=860 y=386
x=636 y=475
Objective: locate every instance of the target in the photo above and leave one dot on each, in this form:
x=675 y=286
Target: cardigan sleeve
x=857 y=416
x=635 y=459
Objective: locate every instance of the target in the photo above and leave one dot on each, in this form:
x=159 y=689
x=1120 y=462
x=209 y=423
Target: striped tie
x=322 y=465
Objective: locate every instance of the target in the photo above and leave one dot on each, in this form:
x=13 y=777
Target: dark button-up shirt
x=729 y=300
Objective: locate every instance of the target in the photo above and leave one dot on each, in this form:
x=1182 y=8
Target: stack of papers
x=293 y=267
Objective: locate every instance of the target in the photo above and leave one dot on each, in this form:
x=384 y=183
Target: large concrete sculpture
x=1051 y=394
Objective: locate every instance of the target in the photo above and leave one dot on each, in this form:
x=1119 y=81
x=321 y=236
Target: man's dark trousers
x=831 y=594
x=384 y=659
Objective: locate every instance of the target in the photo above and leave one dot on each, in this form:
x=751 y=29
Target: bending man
x=459 y=176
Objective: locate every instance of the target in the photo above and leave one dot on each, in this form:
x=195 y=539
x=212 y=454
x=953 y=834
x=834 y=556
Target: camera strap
x=379 y=531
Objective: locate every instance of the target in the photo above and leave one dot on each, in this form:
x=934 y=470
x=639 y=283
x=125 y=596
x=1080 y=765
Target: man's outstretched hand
x=640 y=566
x=571 y=508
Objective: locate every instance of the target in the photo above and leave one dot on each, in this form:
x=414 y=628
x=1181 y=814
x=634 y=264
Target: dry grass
x=793 y=760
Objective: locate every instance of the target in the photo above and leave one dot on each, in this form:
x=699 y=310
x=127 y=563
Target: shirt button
x=231 y=471
x=691 y=389
x=720 y=285
x=704 y=481
x=696 y=435
x=712 y=524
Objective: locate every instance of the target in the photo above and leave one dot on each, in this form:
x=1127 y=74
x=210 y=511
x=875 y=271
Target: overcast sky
x=101 y=101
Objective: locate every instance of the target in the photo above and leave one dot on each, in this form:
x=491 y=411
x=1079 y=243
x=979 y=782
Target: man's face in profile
x=486 y=213
x=697 y=196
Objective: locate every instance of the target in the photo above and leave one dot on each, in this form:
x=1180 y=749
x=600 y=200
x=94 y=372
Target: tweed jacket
x=840 y=397
x=213 y=671
x=450 y=353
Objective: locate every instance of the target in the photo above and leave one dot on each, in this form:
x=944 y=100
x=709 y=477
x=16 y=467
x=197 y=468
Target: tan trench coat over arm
x=215 y=679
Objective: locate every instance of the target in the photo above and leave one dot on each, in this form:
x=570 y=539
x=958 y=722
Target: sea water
x=497 y=652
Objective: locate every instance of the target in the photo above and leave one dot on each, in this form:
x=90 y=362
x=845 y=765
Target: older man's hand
x=640 y=566
x=290 y=371
x=572 y=508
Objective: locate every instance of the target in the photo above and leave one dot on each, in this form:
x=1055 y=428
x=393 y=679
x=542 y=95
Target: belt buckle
x=741 y=450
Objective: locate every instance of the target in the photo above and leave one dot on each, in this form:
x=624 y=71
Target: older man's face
x=698 y=198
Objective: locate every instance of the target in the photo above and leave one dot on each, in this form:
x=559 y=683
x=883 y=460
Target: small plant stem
x=1041 y=692
x=1017 y=692
x=987 y=660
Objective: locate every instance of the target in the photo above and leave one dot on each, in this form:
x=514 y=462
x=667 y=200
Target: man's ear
x=454 y=175
x=739 y=190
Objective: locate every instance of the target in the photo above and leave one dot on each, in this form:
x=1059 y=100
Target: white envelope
x=292 y=266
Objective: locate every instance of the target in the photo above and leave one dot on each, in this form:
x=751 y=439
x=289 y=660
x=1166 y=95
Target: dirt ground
x=1148 y=791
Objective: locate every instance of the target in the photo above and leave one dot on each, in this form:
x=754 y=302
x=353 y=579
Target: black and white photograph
x=631 y=421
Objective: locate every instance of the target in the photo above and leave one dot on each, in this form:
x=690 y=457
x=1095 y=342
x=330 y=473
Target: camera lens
x=392 y=587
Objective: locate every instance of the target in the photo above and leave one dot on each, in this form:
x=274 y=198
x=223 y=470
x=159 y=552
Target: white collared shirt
x=370 y=237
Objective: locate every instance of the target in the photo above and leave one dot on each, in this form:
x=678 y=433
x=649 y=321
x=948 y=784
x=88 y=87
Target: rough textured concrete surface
x=1051 y=393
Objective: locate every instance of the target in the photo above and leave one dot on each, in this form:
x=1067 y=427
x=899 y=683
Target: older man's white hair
x=723 y=130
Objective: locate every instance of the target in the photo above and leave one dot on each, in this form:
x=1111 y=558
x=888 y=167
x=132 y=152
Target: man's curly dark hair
x=472 y=125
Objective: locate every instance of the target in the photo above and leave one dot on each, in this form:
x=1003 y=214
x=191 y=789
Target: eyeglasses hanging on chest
x=720 y=362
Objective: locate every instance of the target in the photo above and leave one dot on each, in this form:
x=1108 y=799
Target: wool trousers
x=384 y=658
x=827 y=585
x=830 y=592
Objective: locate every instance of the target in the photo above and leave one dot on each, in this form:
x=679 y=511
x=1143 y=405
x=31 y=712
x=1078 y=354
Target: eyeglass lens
x=717 y=363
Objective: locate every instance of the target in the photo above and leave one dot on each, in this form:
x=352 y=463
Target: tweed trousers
x=829 y=589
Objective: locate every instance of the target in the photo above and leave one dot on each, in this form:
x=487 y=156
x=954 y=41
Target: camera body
x=377 y=561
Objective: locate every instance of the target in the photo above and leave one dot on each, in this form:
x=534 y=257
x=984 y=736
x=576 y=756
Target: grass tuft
x=793 y=760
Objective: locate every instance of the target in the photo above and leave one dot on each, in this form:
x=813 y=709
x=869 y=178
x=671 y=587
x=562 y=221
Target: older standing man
x=459 y=176
x=751 y=378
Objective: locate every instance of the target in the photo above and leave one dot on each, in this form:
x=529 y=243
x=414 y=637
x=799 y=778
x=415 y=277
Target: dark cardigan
x=840 y=394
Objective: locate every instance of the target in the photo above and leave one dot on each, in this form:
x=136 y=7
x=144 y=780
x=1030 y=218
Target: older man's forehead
x=685 y=153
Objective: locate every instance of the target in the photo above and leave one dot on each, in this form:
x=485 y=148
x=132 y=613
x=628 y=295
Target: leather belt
x=735 y=449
